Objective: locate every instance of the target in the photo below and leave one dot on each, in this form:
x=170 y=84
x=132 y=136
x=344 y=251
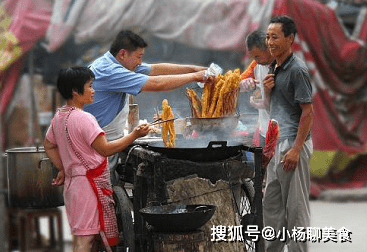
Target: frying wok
x=178 y=218
x=199 y=150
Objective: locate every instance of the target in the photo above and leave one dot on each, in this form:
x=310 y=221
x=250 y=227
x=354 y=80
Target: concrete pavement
x=332 y=214
x=334 y=208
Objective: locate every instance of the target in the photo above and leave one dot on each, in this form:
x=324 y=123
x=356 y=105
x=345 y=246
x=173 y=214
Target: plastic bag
x=213 y=70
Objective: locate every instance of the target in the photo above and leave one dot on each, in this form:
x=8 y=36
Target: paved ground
x=334 y=209
x=351 y=215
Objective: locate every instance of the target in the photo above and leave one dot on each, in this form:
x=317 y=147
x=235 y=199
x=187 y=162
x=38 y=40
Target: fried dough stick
x=231 y=82
x=213 y=102
x=168 y=128
x=231 y=94
x=172 y=133
x=195 y=102
x=207 y=96
x=224 y=89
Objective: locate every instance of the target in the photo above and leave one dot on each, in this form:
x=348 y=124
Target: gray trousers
x=286 y=199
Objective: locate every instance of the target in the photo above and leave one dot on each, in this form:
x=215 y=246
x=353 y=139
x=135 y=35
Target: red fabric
x=329 y=134
x=8 y=81
x=256 y=139
x=340 y=110
x=352 y=177
x=29 y=22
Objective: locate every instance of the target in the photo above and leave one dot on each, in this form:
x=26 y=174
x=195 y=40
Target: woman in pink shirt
x=77 y=146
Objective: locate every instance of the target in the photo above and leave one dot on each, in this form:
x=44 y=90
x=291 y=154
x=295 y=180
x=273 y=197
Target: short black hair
x=127 y=40
x=73 y=78
x=288 y=25
x=256 y=38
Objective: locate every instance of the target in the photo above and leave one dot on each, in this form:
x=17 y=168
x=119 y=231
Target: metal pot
x=199 y=150
x=178 y=218
x=30 y=174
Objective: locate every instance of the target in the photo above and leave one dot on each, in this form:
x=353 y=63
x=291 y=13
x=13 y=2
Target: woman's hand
x=60 y=179
x=141 y=130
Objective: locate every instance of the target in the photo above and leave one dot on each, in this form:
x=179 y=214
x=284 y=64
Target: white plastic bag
x=213 y=70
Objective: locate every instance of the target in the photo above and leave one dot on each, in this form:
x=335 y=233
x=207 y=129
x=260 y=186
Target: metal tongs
x=159 y=121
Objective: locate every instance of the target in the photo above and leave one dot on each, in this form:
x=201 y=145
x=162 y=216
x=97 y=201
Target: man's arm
x=291 y=158
x=170 y=69
x=169 y=82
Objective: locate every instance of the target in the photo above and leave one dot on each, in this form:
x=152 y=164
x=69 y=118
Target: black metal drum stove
x=149 y=170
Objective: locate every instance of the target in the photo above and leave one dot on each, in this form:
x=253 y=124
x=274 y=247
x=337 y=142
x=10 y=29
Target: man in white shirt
x=256 y=45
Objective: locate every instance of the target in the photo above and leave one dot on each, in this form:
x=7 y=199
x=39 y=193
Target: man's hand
x=200 y=76
x=248 y=84
x=290 y=160
x=257 y=103
x=269 y=83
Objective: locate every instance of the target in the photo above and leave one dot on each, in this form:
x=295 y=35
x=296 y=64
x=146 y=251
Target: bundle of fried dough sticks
x=219 y=96
x=168 y=128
